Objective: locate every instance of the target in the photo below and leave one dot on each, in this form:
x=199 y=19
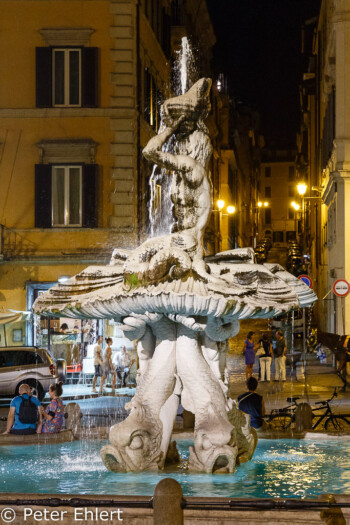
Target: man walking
x=98 y=362
x=280 y=357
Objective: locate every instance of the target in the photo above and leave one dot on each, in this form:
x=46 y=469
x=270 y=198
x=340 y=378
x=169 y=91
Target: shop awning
x=8 y=316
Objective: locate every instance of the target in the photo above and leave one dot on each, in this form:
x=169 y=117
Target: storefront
x=72 y=339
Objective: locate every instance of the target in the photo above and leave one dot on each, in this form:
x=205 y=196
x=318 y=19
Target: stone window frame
x=67 y=36
x=75 y=150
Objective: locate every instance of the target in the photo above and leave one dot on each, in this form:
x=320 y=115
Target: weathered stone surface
x=124 y=55
x=122 y=102
x=122 y=79
x=122 y=149
x=177 y=306
x=122 y=173
x=122 y=197
x=122 y=124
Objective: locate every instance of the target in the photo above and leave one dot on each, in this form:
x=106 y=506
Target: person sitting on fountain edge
x=253 y=404
x=24 y=413
x=53 y=416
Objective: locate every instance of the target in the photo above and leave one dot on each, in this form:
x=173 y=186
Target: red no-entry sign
x=306 y=280
x=341 y=288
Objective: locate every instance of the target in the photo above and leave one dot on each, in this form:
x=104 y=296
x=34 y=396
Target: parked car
x=31 y=365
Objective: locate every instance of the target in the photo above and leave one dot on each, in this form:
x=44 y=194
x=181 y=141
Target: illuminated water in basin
x=285 y=468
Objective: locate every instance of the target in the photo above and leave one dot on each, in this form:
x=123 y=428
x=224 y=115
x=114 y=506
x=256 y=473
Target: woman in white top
x=107 y=366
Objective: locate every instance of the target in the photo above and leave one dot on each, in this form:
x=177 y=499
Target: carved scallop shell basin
x=280 y=468
x=242 y=290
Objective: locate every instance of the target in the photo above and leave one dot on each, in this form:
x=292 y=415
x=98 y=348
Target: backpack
x=28 y=411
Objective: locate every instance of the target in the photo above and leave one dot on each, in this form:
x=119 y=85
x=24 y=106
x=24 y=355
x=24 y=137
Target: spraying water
x=160 y=211
x=186 y=64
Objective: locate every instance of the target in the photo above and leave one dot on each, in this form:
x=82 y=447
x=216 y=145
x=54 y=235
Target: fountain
x=179 y=306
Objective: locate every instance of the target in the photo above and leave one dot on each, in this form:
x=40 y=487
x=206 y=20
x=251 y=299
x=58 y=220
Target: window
x=152 y=101
x=268 y=171
x=66 y=195
x=291 y=236
x=290 y=213
x=267 y=191
x=277 y=236
x=66 y=77
x=18 y=358
x=291 y=191
x=291 y=173
x=267 y=216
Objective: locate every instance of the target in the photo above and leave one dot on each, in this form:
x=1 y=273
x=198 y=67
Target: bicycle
x=283 y=418
x=333 y=422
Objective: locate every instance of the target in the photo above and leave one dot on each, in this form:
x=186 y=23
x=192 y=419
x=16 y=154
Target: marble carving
x=180 y=307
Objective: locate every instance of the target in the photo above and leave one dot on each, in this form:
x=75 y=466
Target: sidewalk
x=320 y=382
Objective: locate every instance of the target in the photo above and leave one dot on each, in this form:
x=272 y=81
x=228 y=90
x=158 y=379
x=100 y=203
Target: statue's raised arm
x=191 y=191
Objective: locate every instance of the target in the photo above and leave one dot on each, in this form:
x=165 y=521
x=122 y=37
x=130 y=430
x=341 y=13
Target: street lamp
x=301 y=187
x=257 y=209
x=229 y=210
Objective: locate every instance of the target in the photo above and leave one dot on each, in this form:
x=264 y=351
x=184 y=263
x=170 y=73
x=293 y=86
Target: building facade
x=74 y=185
x=278 y=189
x=324 y=157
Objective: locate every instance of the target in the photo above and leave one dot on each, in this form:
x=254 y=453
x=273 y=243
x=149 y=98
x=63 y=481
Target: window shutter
x=90 y=81
x=43 y=77
x=89 y=190
x=43 y=198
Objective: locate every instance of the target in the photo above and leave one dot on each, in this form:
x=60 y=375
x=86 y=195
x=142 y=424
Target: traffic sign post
x=341 y=288
x=306 y=280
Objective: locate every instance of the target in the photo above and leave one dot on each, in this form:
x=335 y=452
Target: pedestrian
x=280 y=357
x=24 y=413
x=124 y=363
x=249 y=354
x=98 y=362
x=53 y=416
x=265 y=358
x=108 y=367
x=253 y=404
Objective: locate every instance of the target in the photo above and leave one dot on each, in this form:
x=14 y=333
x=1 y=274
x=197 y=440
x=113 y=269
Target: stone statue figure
x=191 y=190
x=180 y=308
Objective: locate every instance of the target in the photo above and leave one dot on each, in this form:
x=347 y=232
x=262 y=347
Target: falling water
x=160 y=208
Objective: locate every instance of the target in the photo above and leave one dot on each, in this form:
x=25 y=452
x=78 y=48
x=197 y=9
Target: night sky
x=259 y=49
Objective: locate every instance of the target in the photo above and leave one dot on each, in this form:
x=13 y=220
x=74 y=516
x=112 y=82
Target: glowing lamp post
x=258 y=207
x=302 y=187
x=229 y=210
